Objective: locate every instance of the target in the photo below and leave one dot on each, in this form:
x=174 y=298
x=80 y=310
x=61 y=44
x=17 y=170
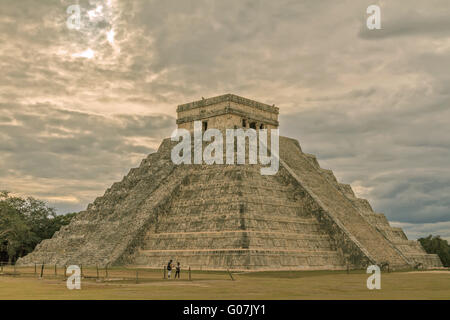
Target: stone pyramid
x=219 y=217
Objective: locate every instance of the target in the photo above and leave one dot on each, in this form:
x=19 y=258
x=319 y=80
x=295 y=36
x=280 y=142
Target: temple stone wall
x=227 y=111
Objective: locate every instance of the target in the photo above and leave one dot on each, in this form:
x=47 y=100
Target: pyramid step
x=244 y=259
x=237 y=239
x=261 y=250
x=201 y=216
x=247 y=185
x=377 y=219
x=236 y=224
x=211 y=192
x=392 y=233
x=236 y=202
x=237 y=207
x=208 y=198
x=202 y=222
x=426 y=260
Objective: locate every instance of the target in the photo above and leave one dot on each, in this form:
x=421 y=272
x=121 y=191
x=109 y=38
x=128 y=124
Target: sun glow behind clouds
x=89 y=54
x=110 y=36
x=98 y=25
x=97 y=12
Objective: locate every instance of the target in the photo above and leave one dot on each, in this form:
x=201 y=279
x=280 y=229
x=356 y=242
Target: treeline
x=24 y=222
x=438 y=246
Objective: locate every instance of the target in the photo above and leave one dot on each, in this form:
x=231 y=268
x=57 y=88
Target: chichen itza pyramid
x=221 y=217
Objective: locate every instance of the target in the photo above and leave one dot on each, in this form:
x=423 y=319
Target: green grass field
x=121 y=284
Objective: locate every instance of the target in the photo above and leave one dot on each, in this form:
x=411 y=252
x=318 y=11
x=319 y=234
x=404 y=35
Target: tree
x=15 y=233
x=24 y=223
x=438 y=246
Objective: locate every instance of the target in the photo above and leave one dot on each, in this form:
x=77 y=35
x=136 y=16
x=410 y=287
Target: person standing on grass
x=177 y=271
x=169 y=268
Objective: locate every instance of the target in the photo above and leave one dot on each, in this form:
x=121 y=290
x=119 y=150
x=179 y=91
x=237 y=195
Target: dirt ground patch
x=204 y=285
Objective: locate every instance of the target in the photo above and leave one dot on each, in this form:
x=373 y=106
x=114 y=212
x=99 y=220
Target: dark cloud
x=62 y=146
x=416 y=231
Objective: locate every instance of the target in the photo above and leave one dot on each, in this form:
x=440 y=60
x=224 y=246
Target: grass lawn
x=121 y=284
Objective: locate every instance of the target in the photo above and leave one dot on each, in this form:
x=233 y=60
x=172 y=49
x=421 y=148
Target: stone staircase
x=318 y=183
x=232 y=217
x=382 y=242
x=411 y=249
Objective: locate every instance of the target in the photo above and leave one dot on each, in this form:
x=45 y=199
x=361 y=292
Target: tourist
x=169 y=268
x=177 y=271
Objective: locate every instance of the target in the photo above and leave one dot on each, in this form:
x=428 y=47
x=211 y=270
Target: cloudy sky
x=80 y=107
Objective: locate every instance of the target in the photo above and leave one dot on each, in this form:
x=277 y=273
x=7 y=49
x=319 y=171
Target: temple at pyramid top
x=227 y=111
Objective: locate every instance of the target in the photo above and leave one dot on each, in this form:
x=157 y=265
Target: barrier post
x=42 y=270
x=231 y=276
